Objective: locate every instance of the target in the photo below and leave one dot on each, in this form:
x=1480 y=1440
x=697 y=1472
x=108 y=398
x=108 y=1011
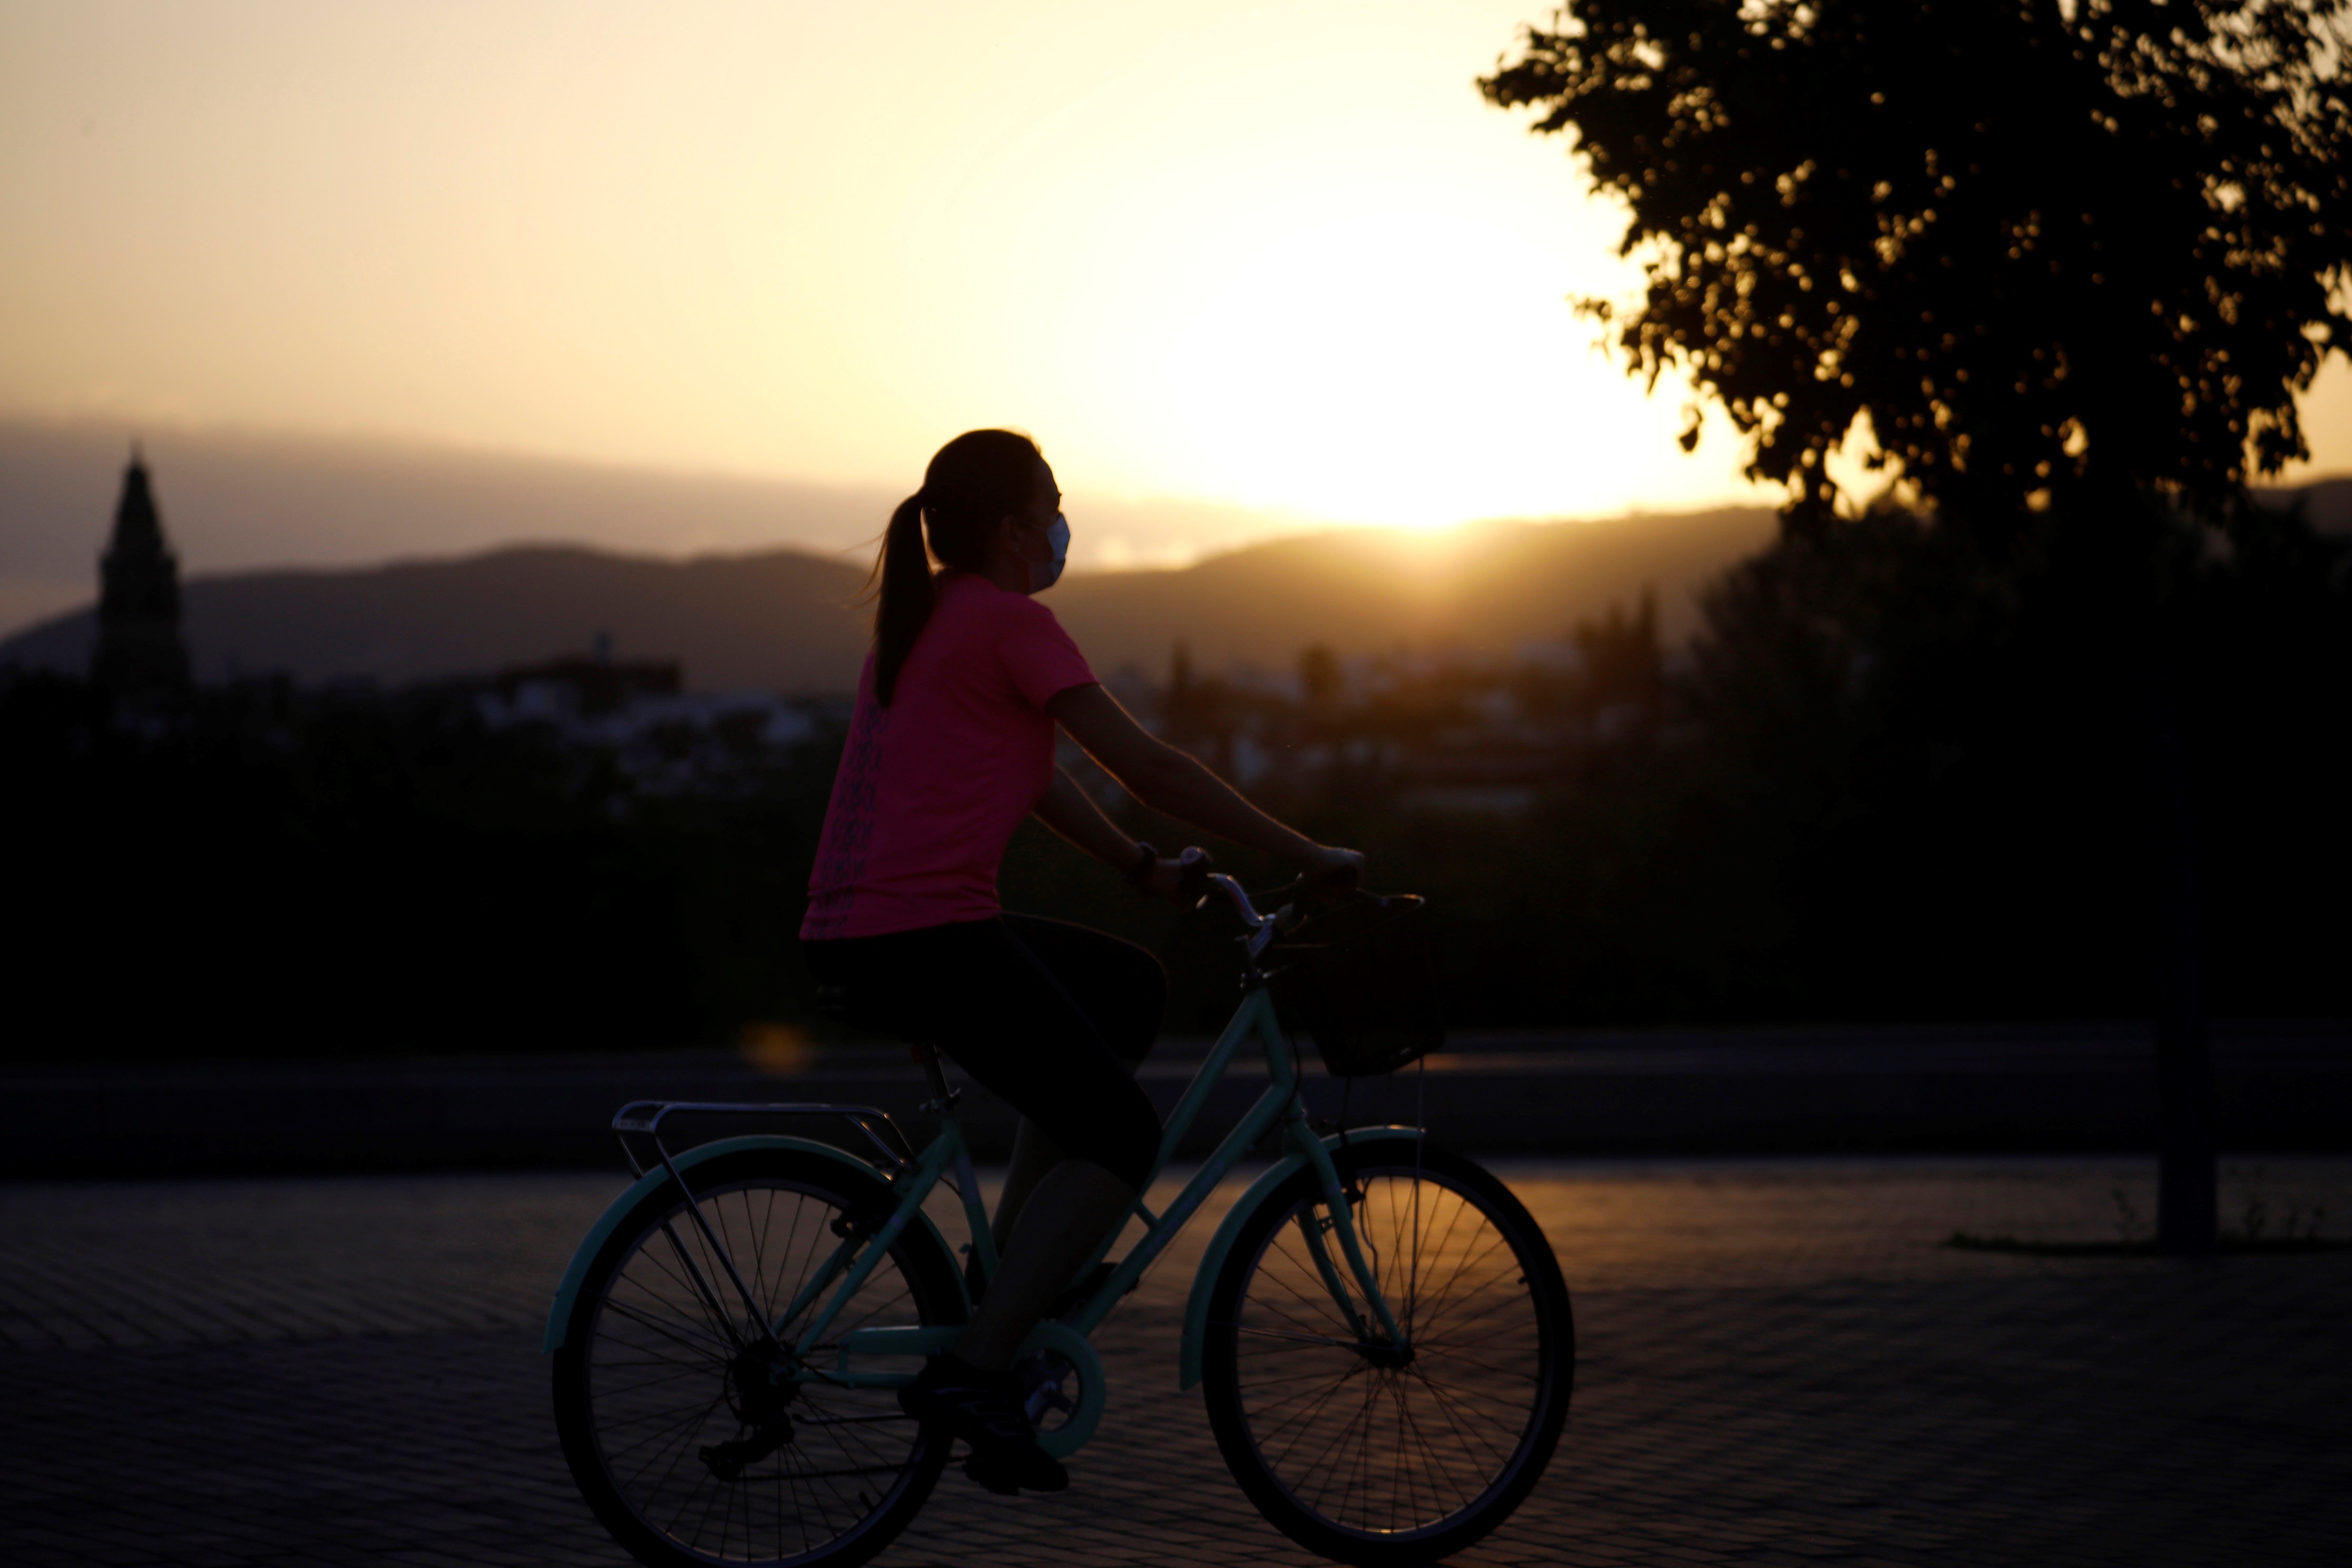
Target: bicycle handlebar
x=1216 y=886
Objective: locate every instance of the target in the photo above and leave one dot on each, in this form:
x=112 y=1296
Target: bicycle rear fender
x=1196 y=1311
x=559 y=1317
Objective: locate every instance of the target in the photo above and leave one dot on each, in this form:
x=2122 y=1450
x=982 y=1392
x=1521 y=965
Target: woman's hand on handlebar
x=1328 y=871
x=1177 y=877
x=1335 y=870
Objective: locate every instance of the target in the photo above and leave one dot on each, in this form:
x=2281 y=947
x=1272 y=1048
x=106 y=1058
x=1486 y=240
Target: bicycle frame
x=837 y=1280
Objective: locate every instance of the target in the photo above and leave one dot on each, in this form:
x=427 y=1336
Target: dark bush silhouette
x=284 y=874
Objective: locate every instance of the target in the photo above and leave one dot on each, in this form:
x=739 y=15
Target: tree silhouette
x=1623 y=661
x=2062 y=266
x=1319 y=682
x=2036 y=245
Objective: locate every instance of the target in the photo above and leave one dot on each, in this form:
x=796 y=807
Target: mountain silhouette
x=247 y=500
x=772 y=619
x=785 y=620
x=1485 y=588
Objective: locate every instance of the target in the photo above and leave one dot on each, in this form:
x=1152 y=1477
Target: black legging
x=1048 y=1017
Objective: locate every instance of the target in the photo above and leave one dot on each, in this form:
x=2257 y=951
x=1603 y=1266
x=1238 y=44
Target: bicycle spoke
x=1434 y=1466
x=702 y=1355
x=1293 y=1411
x=1303 y=1423
x=1455 y=1411
x=672 y=1428
x=1293 y=1337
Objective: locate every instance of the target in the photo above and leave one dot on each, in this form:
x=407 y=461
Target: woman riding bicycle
x=951 y=745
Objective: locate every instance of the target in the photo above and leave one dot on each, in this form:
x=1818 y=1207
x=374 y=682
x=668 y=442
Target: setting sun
x=1388 y=368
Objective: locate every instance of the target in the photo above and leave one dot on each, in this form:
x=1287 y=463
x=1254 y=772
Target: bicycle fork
x=1339 y=1215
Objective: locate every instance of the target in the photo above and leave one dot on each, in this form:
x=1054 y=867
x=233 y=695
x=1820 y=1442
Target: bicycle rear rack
x=643 y=1119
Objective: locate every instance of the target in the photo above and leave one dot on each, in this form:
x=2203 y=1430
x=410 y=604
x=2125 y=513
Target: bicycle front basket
x=1361 y=978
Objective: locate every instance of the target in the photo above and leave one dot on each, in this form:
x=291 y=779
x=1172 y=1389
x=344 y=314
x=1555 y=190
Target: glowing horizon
x=1278 y=257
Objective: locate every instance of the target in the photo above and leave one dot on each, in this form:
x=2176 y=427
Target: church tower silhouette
x=139 y=654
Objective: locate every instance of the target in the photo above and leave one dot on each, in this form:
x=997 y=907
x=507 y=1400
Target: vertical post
x=2188 y=1200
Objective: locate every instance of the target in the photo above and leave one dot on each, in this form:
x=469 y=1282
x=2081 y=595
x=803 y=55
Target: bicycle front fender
x=1196 y=1311
x=559 y=1317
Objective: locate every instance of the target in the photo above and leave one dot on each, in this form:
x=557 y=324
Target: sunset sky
x=1275 y=255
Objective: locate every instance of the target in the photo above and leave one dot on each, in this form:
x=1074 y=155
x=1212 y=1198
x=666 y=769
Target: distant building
x=667 y=740
x=139 y=655
x=574 y=687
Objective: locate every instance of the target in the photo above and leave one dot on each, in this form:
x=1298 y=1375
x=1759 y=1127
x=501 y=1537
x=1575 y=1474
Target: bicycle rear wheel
x=1351 y=1450
x=698 y=1444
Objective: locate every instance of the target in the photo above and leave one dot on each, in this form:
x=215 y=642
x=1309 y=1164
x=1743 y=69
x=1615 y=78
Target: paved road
x=1778 y=1364
x=2073 y=1087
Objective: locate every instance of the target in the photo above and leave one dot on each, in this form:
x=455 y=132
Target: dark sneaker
x=1006 y=1472
x=983 y=1408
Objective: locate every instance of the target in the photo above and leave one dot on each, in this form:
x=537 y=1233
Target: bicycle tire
x=647 y=1384
x=1388 y=1465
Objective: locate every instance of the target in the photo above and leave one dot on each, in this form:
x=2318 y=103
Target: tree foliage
x=2038 y=245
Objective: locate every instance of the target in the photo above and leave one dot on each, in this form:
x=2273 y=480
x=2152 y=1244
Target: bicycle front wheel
x=1352 y=1449
x=705 y=1437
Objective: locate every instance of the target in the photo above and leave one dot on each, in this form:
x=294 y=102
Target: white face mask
x=1045 y=575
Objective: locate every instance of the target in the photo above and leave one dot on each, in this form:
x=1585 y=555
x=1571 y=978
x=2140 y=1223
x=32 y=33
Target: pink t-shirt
x=932 y=787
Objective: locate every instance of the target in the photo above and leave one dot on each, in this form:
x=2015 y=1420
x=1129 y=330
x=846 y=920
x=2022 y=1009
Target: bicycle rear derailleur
x=758 y=1387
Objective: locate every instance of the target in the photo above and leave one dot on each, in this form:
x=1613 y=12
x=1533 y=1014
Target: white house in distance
x=669 y=741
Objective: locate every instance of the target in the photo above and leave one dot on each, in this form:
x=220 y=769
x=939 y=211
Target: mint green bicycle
x=1380 y=1327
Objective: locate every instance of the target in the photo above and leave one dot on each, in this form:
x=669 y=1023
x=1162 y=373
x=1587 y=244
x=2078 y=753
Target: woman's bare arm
x=1072 y=813
x=1176 y=785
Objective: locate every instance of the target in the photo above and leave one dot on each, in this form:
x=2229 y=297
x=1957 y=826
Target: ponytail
x=972 y=483
x=902 y=595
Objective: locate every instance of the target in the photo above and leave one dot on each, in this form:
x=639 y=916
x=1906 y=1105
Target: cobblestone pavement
x=1778 y=1363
